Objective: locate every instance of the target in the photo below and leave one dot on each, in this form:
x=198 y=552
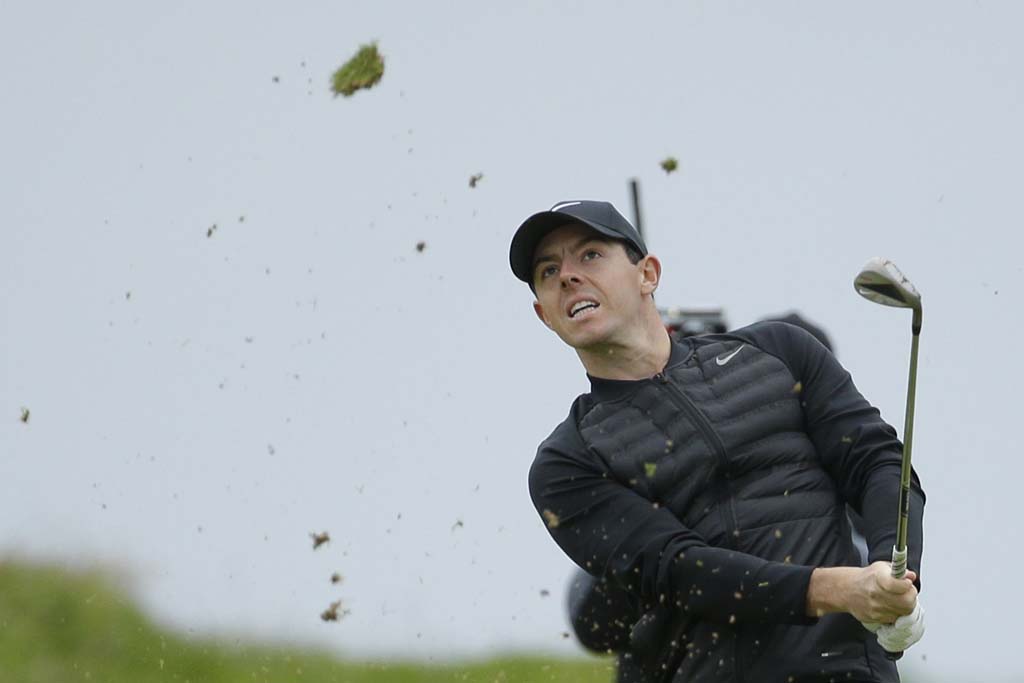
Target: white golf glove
x=871 y=626
x=900 y=635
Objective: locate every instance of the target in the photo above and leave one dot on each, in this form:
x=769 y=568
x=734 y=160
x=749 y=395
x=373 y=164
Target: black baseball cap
x=601 y=216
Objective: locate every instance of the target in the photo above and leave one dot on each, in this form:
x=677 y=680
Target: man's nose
x=569 y=277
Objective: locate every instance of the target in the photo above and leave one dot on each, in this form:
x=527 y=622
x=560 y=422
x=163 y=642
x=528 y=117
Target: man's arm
x=857 y=447
x=612 y=531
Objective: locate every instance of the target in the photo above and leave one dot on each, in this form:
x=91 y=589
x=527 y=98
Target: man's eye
x=590 y=253
x=546 y=271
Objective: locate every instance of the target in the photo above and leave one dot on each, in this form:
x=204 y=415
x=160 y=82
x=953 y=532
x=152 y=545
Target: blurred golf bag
x=688 y=322
x=608 y=619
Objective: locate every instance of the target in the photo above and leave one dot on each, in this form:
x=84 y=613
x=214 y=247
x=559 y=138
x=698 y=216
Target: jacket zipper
x=711 y=438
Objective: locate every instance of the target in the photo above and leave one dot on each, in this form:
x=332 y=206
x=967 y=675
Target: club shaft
x=900 y=549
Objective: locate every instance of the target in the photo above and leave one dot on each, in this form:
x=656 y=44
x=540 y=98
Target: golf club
x=882 y=282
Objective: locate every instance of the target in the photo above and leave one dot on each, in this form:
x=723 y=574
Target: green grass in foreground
x=57 y=627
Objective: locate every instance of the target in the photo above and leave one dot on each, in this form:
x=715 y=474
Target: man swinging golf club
x=708 y=478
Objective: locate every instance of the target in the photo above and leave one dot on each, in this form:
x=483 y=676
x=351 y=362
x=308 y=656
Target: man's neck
x=643 y=355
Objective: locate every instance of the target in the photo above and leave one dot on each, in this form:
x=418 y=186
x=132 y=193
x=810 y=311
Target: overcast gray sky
x=200 y=404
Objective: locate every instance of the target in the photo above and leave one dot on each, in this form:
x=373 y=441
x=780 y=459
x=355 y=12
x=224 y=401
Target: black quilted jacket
x=710 y=492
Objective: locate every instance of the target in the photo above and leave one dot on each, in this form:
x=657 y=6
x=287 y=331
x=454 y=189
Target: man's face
x=587 y=290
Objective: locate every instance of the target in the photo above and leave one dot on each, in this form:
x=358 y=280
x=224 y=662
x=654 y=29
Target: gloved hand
x=906 y=631
x=871 y=626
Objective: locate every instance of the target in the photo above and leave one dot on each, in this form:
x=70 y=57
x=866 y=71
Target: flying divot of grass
x=364 y=70
x=669 y=164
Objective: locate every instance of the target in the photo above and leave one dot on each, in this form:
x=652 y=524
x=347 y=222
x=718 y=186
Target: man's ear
x=650 y=274
x=539 y=310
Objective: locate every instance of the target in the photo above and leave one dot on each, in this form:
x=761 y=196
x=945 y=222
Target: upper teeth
x=580 y=306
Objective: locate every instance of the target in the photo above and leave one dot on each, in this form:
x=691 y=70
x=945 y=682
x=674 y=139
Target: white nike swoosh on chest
x=722 y=360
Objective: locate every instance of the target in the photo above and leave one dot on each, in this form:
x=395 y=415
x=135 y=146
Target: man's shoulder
x=767 y=332
x=567 y=434
x=563 y=451
x=776 y=337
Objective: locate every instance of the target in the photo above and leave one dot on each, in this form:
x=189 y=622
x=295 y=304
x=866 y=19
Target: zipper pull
x=661 y=378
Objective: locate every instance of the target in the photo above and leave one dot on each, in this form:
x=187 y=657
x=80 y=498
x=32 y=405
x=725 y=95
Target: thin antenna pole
x=634 y=186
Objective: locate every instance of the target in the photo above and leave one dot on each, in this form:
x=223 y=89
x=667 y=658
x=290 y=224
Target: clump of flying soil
x=363 y=71
x=320 y=538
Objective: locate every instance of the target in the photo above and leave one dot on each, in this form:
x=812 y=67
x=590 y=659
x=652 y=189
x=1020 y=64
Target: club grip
x=899 y=570
x=899 y=563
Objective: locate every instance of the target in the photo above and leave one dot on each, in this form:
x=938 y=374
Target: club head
x=882 y=282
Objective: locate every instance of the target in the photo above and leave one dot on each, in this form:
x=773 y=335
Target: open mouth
x=582 y=307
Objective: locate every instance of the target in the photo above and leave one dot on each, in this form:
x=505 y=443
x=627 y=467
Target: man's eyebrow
x=582 y=242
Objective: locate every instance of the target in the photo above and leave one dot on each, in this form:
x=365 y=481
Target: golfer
x=707 y=478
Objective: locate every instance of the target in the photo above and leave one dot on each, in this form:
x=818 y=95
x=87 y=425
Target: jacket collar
x=602 y=389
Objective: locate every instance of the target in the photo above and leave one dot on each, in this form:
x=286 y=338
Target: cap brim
x=533 y=230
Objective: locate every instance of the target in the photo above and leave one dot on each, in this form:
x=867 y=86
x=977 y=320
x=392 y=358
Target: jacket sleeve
x=856 y=446
x=611 y=531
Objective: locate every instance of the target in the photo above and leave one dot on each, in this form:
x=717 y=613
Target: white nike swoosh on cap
x=558 y=207
x=722 y=360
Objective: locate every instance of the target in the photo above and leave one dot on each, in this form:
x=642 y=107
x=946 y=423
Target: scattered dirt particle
x=551 y=518
x=332 y=612
x=475 y=178
x=420 y=246
x=669 y=164
x=320 y=539
x=25 y=414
